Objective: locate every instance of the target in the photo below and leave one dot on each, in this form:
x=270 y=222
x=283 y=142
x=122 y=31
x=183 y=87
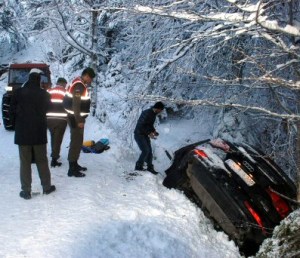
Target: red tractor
x=17 y=76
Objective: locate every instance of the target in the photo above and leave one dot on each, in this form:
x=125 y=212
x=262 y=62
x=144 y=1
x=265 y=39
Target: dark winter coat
x=28 y=109
x=145 y=123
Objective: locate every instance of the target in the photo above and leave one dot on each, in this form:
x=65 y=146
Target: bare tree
x=238 y=54
x=11 y=35
x=77 y=23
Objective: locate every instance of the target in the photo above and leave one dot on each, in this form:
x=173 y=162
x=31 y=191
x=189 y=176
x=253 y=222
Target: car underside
x=242 y=190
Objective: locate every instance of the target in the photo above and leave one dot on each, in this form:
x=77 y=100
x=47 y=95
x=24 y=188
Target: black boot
x=138 y=167
x=55 y=163
x=74 y=171
x=50 y=190
x=26 y=195
x=80 y=168
x=152 y=170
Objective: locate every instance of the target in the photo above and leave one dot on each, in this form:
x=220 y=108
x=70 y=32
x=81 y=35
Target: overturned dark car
x=236 y=185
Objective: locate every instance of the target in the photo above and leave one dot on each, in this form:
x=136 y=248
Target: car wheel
x=5 y=112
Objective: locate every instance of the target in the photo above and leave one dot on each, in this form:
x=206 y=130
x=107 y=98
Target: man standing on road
x=28 y=109
x=57 y=119
x=144 y=131
x=77 y=104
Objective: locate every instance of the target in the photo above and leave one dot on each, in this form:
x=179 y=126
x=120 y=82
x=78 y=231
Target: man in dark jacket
x=29 y=106
x=144 y=131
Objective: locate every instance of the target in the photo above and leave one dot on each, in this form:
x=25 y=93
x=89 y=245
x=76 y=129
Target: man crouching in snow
x=145 y=130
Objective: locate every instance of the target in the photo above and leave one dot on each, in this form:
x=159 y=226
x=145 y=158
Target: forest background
x=233 y=62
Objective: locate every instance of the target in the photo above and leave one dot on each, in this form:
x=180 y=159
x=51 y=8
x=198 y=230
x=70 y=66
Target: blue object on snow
x=105 y=141
x=98 y=147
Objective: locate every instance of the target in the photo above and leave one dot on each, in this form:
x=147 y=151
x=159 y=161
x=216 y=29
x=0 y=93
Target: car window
x=18 y=76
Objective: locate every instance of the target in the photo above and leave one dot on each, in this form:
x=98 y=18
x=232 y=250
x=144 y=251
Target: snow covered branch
x=255 y=13
x=205 y=102
x=250 y=14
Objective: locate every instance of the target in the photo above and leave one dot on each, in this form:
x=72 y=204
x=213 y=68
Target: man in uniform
x=28 y=109
x=57 y=119
x=77 y=104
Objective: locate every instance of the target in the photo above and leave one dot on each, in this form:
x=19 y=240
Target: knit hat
x=61 y=80
x=35 y=70
x=89 y=71
x=159 y=105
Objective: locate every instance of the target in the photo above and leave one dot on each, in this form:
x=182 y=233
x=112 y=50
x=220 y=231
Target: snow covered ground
x=109 y=213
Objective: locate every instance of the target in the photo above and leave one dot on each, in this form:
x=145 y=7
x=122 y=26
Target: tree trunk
x=94 y=65
x=298 y=161
x=291 y=21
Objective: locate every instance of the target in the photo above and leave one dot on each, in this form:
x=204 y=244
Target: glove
x=152 y=135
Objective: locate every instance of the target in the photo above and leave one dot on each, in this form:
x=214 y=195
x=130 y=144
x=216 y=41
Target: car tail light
x=255 y=216
x=200 y=153
x=279 y=204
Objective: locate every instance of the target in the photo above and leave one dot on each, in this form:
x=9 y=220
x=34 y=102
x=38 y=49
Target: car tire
x=5 y=112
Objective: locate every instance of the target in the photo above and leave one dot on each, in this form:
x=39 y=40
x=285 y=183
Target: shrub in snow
x=285 y=241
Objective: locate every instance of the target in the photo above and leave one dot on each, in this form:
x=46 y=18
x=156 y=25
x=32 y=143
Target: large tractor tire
x=5 y=112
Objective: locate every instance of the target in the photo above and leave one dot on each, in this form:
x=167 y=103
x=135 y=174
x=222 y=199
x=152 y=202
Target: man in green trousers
x=77 y=104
